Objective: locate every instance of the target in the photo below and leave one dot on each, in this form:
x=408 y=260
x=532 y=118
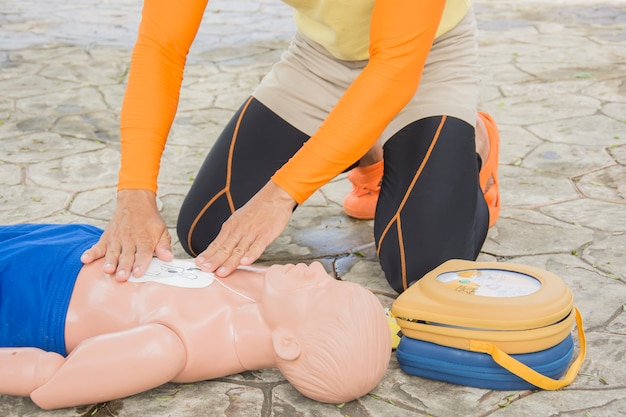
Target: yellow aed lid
x=518 y=307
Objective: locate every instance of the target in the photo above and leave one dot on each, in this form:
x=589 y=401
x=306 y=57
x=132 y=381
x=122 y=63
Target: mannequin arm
x=22 y=370
x=113 y=366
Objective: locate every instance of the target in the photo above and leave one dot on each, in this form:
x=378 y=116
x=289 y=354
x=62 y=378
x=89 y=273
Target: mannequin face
x=296 y=294
x=330 y=338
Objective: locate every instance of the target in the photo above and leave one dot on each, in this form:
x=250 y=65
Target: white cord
x=252 y=268
x=236 y=292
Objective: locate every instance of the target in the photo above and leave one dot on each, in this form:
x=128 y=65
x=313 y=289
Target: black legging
x=430 y=209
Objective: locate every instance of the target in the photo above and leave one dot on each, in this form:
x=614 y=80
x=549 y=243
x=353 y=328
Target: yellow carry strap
x=530 y=375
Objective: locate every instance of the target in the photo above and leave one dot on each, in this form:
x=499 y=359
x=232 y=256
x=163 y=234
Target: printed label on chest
x=177 y=273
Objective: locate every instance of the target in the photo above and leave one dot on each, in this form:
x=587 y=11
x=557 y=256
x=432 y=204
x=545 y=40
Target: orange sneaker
x=360 y=203
x=489 y=169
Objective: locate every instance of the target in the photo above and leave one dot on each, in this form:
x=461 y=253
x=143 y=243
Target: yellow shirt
x=342 y=27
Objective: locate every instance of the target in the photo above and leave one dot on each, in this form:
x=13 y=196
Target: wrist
x=128 y=197
x=273 y=192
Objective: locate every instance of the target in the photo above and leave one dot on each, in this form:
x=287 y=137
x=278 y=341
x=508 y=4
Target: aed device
x=492 y=325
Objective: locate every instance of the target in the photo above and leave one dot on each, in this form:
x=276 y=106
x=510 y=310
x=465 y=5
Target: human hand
x=248 y=231
x=134 y=234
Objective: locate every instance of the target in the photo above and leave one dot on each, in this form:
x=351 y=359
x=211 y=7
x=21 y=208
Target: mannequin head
x=331 y=337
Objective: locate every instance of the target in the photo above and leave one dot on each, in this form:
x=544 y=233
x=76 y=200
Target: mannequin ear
x=286 y=344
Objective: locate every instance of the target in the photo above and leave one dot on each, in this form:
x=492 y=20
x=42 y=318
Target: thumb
x=163 y=249
x=97 y=251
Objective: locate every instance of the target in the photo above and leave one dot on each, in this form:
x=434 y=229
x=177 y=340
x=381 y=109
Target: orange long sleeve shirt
x=398 y=38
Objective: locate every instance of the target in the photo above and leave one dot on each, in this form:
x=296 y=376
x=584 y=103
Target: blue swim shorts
x=39 y=264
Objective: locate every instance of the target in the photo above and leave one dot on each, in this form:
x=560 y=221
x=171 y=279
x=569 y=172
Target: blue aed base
x=476 y=369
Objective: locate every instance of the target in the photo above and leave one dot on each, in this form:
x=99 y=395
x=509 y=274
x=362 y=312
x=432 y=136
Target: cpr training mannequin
x=329 y=338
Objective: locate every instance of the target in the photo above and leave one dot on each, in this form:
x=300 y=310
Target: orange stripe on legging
x=226 y=189
x=396 y=217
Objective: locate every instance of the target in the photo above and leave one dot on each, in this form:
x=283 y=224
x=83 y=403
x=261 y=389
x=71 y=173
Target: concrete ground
x=553 y=77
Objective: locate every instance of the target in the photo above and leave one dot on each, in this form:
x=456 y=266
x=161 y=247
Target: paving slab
x=553 y=76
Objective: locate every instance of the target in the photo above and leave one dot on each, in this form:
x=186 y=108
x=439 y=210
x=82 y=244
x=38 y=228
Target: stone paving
x=553 y=77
